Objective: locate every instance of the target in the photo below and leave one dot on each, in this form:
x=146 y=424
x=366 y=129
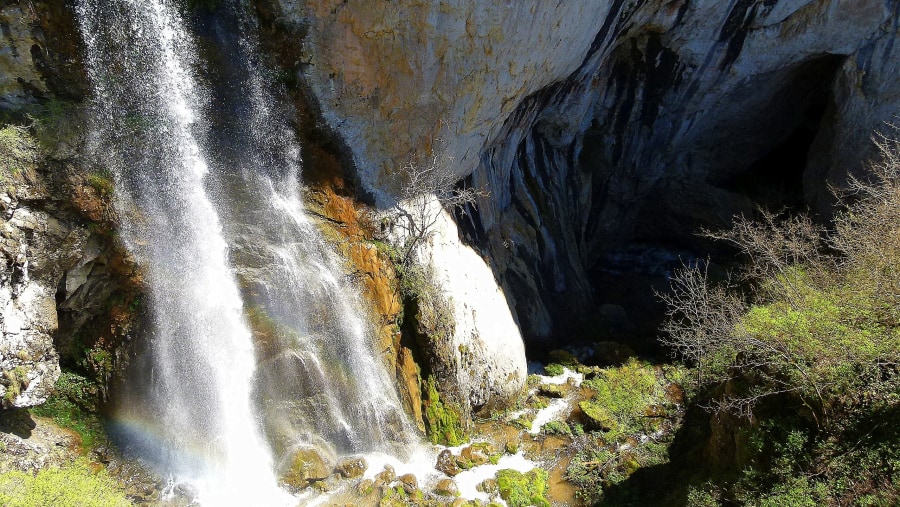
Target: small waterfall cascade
x=257 y=346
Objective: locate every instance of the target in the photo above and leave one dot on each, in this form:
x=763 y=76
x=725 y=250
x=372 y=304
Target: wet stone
x=409 y=483
x=446 y=463
x=447 y=487
x=350 y=468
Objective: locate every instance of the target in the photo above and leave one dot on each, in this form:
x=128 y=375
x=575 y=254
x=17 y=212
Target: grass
x=76 y=485
x=18 y=150
x=17 y=380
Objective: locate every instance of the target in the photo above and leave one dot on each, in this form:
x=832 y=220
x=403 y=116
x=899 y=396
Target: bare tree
x=424 y=191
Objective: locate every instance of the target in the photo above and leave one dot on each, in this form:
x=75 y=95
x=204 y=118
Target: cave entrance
x=775 y=179
x=627 y=277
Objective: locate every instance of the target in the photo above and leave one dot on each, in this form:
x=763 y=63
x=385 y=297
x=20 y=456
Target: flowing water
x=257 y=346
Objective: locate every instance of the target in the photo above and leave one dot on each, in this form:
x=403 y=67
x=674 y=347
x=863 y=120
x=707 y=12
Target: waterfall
x=207 y=185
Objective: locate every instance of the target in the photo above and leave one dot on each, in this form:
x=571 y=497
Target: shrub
x=810 y=352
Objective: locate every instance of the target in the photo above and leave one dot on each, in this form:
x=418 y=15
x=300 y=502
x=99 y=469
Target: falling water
x=207 y=185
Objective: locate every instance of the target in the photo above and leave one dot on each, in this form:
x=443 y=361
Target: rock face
x=602 y=128
x=483 y=354
x=65 y=288
x=38 y=53
x=67 y=291
x=37 y=249
x=397 y=78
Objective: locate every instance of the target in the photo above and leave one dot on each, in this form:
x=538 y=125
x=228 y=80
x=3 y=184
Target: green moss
x=394 y=497
x=73 y=485
x=629 y=400
x=524 y=421
x=16 y=382
x=554 y=369
x=556 y=428
x=522 y=490
x=625 y=396
x=102 y=182
x=443 y=422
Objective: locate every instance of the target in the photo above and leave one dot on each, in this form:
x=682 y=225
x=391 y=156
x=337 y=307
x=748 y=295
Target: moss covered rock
x=523 y=490
x=306 y=465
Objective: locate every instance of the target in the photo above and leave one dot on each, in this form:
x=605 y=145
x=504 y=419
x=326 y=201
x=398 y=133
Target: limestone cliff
x=603 y=130
x=65 y=284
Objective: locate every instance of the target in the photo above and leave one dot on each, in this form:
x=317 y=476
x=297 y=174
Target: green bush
x=69 y=486
x=623 y=397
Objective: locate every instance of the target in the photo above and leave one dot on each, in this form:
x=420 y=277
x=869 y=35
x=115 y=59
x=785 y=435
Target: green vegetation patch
x=557 y=428
x=16 y=382
x=74 y=485
x=73 y=406
x=594 y=469
x=18 y=150
x=523 y=490
x=806 y=351
x=629 y=399
x=443 y=422
x=554 y=369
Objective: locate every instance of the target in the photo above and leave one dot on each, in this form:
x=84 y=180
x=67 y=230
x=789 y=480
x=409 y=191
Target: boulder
x=409 y=483
x=305 y=466
x=350 y=468
x=446 y=487
x=446 y=463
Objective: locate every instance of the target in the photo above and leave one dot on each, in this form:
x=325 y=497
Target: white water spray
x=198 y=406
x=211 y=209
